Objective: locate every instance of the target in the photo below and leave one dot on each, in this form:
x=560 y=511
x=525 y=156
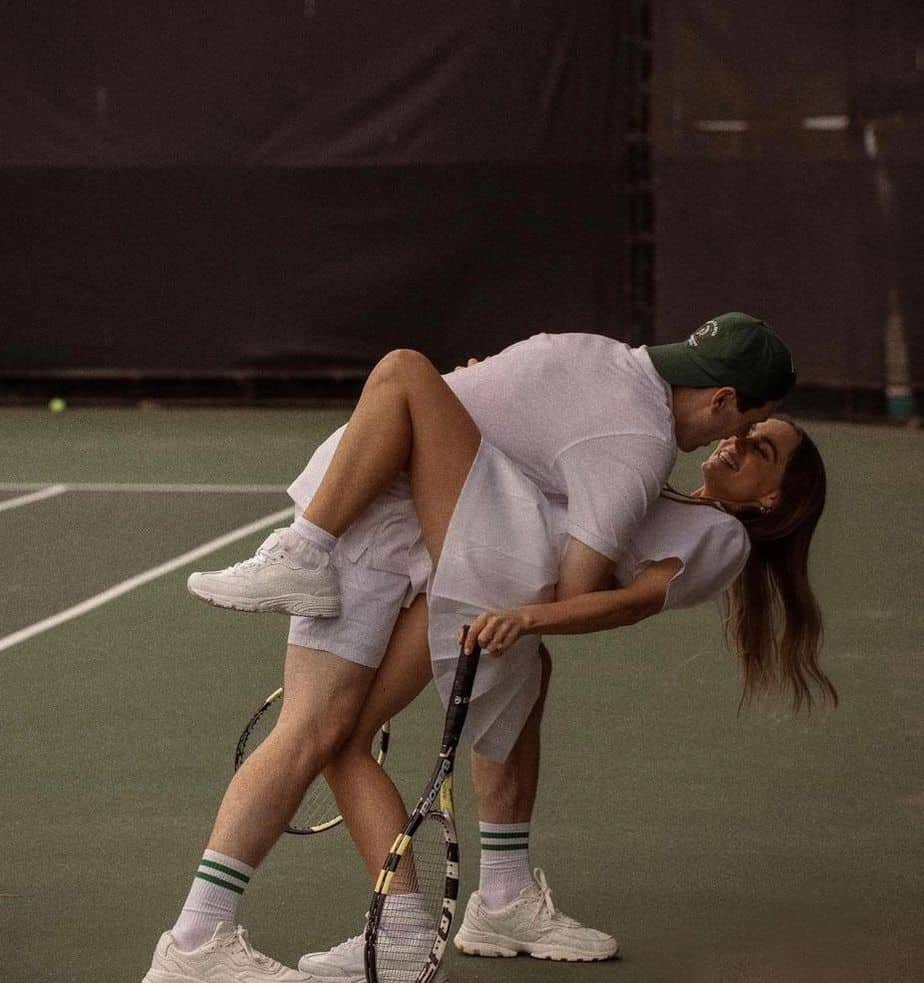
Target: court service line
x=142 y=578
x=99 y=486
x=37 y=496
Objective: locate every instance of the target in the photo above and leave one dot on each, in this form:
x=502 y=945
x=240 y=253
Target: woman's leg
x=506 y=790
x=496 y=925
x=407 y=418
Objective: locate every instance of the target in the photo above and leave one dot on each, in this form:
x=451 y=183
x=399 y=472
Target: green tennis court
x=715 y=847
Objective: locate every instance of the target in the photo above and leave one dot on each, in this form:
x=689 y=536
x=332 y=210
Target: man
x=590 y=420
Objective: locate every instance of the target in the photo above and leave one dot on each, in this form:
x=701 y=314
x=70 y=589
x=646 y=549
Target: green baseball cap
x=732 y=349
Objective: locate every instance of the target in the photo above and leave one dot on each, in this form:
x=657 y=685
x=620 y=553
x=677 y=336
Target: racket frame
x=436 y=802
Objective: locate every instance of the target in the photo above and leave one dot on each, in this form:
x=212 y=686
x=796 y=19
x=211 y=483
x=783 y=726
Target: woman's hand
x=496 y=631
x=471 y=362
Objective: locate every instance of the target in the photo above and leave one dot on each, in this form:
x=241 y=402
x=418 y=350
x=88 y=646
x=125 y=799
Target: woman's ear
x=770 y=500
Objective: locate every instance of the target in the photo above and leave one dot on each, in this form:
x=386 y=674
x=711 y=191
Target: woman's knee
x=402 y=366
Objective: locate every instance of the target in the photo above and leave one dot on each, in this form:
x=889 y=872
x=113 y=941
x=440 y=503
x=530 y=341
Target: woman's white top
x=712 y=545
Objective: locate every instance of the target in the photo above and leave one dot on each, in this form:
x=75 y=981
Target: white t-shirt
x=587 y=418
x=712 y=545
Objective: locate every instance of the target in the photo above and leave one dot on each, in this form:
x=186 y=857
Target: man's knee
x=308 y=745
x=322 y=701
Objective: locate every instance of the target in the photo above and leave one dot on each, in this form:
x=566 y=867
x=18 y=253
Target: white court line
x=142 y=578
x=38 y=496
x=95 y=486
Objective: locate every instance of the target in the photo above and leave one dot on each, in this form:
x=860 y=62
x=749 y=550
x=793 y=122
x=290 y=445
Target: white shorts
x=500 y=551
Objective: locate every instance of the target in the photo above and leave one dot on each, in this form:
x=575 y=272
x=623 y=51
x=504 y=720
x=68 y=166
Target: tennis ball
x=57 y=405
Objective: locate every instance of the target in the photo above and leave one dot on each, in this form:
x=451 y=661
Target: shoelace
x=269 y=549
x=547 y=904
x=238 y=939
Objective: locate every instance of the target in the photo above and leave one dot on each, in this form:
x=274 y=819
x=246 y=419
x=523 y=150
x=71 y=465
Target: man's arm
x=582 y=571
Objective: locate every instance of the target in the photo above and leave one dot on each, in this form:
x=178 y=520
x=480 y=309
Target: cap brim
x=678 y=364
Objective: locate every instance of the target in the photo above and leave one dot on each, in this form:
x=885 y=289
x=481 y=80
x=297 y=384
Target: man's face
x=718 y=417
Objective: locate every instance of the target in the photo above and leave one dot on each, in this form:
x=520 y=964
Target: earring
x=764 y=509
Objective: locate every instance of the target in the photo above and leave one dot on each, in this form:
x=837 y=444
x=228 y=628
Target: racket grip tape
x=461 y=691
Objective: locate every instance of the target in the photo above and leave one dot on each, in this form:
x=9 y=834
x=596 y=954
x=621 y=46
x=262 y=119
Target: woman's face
x=749 y=470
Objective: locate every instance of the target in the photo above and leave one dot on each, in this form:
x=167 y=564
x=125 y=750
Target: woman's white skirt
x=500 y=552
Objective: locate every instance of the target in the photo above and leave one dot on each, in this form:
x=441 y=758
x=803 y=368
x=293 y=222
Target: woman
x=490 y=535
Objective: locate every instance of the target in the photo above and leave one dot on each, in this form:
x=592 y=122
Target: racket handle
x=461 y=692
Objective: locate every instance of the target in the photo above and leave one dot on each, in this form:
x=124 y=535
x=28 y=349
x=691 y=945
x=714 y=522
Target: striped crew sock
x=505 y=869
x=213 y=897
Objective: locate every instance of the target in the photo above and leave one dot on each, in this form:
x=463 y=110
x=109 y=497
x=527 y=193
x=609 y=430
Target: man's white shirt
x=587 y=418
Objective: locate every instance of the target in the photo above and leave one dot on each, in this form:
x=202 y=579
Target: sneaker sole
x=300 y=605
x=308 y=970
x=498 y=946
x=160 y=977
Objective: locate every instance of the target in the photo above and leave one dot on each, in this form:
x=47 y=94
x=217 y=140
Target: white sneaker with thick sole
x=533 y=925
x=226 y=958
x=344 y=964
x=287 y=574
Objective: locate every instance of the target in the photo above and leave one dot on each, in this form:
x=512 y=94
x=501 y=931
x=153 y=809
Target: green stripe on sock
x=505 y=846
x=505 y=836
x=225 y=870
x=220 y=882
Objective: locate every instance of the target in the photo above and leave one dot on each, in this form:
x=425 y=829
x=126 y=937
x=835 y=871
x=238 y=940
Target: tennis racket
x=415 y=895
x=318 y=810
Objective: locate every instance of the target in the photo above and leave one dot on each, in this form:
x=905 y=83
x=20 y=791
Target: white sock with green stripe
x=505 y=869
x=213 y=897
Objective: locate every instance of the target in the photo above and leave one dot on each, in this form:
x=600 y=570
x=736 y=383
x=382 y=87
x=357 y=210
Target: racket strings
x=412 y=910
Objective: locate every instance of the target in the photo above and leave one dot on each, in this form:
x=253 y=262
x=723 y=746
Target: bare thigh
x=404 y=672
x=323 y=696
x=445 y=442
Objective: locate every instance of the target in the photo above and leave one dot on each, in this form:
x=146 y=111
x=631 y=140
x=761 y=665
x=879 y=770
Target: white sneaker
x=530 y=924
x=287 y=574
x=344 y=964
x=226 y=958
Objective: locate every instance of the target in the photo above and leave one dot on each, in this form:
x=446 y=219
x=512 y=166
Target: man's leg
x=512 y=910
x=371 y=805
x=369 y=802
x=323 y=697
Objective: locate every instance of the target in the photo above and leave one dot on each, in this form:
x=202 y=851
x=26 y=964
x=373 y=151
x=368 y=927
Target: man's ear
x=722 y=396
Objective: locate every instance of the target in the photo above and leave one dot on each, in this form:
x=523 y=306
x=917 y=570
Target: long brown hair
x=773 y=621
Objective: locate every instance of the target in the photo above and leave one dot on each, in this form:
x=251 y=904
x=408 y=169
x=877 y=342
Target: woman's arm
x=578 y=615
